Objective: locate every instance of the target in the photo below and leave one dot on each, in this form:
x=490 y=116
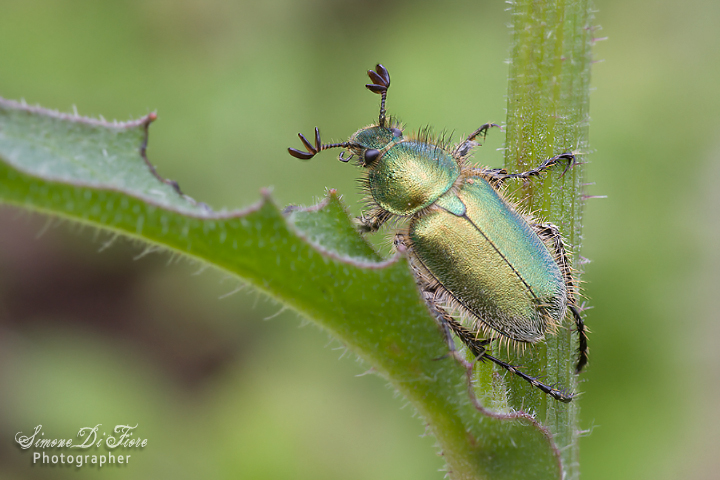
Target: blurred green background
x=90 y=334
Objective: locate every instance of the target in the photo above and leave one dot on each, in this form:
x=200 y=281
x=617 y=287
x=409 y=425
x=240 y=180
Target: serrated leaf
x=311 y=259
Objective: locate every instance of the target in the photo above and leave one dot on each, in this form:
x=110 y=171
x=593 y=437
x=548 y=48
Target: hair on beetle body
x=472 y=250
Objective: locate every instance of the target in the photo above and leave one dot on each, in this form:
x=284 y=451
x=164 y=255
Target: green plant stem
x=548 y=98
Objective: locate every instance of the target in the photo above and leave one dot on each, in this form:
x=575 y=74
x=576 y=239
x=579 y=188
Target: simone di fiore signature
x=88 y=437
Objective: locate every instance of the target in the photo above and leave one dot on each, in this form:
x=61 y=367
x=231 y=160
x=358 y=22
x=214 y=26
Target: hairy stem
x=548 y=98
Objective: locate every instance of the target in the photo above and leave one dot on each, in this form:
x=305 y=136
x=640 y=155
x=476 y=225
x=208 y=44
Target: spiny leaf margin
x=58 y=164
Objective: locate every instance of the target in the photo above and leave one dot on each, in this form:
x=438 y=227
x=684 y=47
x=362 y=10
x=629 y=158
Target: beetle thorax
x=411 y=175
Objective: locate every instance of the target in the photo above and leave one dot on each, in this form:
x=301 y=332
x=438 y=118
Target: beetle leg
x=582 y=335
x=446 y=321
x=448 y=324
x=477 y=347
x=548 y=389
x=372 y=221
x=497 y=176
x=464 y=148
x=551 y=234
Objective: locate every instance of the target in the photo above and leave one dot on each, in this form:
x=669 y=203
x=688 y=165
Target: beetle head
x=368 y=143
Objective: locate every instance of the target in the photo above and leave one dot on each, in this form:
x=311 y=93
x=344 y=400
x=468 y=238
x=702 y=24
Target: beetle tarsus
x=464 y=148
x=497 y=176
x=582 y=336
x=548 y=389
x=371 y=221
x=550 y=162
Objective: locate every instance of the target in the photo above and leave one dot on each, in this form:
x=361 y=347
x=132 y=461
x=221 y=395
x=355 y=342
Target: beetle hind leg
x=548 y=389
x=478 y=348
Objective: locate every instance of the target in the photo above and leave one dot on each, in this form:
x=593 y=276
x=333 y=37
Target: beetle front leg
x=464 y=148
x=550 y=234
x=371 y=221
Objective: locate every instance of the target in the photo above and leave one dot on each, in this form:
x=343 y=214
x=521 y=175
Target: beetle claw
x=572 y=160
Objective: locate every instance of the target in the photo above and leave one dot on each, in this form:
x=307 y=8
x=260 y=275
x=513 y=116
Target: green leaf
x=311 y=259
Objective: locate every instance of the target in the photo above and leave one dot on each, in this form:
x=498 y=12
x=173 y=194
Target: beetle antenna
x=381 y=82
x=312 y=150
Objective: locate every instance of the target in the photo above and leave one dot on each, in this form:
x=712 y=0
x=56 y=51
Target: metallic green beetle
x=470 y=248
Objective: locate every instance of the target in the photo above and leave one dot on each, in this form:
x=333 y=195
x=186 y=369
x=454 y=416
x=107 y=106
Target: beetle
x=471 y=249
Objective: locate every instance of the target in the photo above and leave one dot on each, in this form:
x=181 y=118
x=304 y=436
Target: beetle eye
x=371 y=155
x=396 y=132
